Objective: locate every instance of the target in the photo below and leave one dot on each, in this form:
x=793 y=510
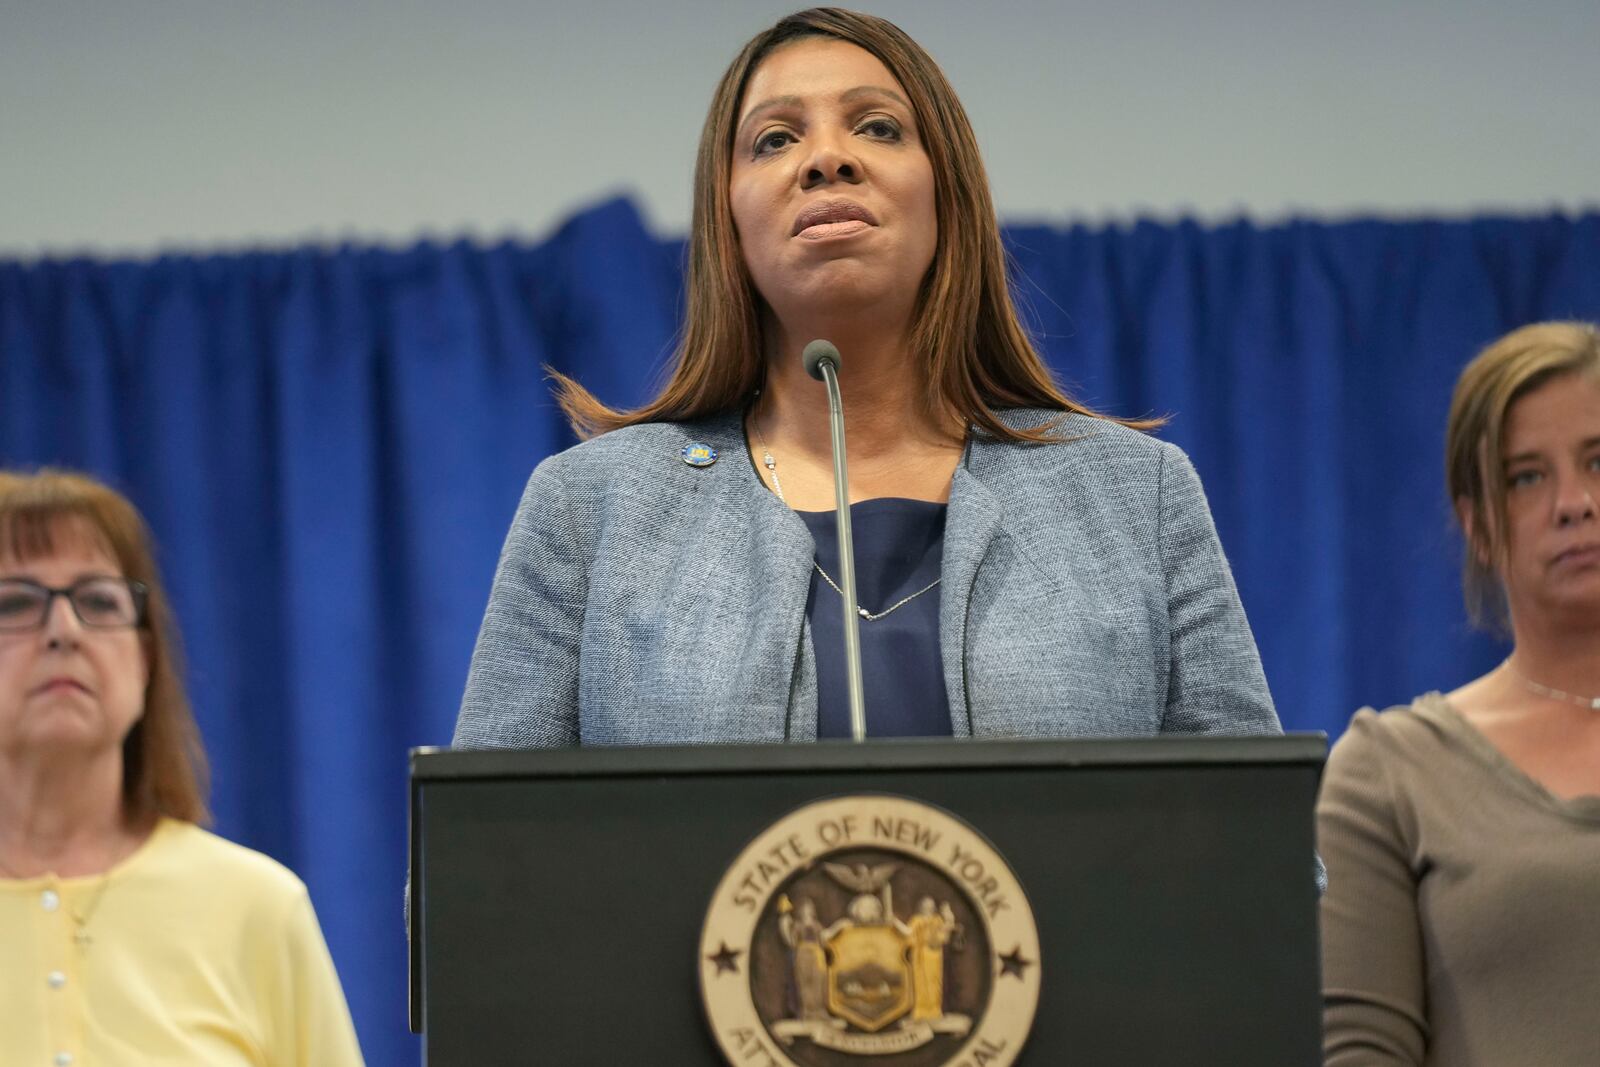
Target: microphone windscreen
x=815 y=353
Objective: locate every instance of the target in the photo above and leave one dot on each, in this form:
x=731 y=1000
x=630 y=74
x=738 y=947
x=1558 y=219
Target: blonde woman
x=1461 y=926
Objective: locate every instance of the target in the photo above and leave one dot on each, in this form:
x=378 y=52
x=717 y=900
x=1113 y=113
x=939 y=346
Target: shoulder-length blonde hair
x=979 y=356
x=1474 y=450
x=163 y=762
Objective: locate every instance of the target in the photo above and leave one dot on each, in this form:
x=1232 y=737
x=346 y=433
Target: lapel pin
x=699 y=455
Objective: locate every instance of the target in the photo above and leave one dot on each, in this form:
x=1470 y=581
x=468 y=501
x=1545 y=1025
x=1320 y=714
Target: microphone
x=815 y=354
x=821 y=360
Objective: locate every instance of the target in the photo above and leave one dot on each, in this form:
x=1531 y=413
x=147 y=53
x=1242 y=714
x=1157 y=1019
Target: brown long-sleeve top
x=1461 y=926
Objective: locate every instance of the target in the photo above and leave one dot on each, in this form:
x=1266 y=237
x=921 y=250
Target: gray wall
x=131 y=126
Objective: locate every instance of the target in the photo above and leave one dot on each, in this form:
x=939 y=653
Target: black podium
x=559 y=898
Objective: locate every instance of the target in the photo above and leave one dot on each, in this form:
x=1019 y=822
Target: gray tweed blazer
x=640 y=600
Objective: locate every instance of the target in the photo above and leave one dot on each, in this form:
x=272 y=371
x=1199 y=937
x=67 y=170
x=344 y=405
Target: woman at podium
x=128 y=934
x=1027 y=567
x=1462 y=832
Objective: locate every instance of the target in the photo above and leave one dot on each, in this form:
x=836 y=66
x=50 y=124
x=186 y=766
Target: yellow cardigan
x=193 y=950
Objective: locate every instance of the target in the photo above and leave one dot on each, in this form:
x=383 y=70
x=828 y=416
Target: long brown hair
x=979 y=355
x=1497 y=378
x=163 y=762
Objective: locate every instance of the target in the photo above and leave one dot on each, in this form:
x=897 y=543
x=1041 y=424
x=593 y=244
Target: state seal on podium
x=867 y=928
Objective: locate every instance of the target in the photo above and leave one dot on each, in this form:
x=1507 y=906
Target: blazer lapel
x=971 y=520
x=778 y=558
x=785 y=576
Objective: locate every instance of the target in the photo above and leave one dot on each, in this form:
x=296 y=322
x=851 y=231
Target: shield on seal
x=869 y=976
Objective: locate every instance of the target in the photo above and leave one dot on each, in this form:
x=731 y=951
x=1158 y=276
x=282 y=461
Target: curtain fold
x=330 y=443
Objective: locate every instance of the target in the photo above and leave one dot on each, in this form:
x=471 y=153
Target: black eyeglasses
x=99 y=603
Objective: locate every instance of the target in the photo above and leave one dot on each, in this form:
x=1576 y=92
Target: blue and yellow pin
x=699 y=455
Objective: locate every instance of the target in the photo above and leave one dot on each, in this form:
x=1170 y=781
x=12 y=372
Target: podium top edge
x=435 y=764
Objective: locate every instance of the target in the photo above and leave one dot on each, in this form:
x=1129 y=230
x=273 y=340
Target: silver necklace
x=777 y=487
x=1592 y=703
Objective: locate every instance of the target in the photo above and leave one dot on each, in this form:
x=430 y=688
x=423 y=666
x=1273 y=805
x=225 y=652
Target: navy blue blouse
x=899 y=549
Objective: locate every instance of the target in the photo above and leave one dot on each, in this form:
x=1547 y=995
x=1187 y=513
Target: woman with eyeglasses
x=129 y=933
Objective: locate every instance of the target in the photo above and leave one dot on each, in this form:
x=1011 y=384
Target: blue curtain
x=329 y=446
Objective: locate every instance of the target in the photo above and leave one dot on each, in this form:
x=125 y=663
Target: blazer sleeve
x=522 y=688
x=1373 y=984
x=1215 y=681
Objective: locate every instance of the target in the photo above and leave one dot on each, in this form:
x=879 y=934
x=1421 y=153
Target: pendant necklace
x=80 y=920
x=777 y=487
x=81 y=936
